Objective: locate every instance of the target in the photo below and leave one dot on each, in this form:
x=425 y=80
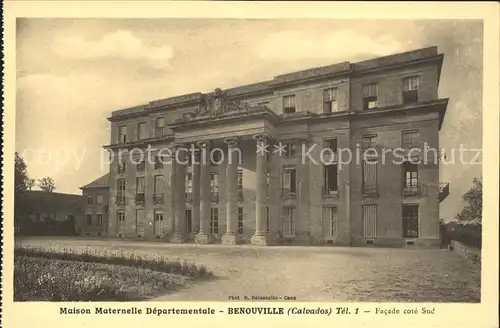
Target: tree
x=473 y=209
x=30 y=183
x=22 y=183
x=47 y=184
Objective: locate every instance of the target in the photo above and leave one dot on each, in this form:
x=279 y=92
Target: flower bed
x=160 y=264
x=90 y=276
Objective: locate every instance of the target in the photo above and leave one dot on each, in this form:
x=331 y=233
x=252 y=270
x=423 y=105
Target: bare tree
x=30 y=183
x=47 y=184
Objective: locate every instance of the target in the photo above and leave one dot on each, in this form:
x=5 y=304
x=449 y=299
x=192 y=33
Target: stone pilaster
x=180 y=194
x=173 y=185
x=261 y=237
x=231 y=237
x=203 y=236
x=196 y=170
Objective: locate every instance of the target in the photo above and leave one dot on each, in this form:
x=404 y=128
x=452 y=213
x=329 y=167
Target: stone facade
x=95 y=219
x=273 y=197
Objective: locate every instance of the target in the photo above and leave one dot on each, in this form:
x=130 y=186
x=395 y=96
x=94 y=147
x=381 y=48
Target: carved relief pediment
x=217 y=103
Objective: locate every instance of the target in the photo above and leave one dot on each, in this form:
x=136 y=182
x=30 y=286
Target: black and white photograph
x=248 y=160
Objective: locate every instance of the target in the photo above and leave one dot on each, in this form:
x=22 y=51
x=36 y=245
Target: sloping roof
x=98 y=183
x=45 y=202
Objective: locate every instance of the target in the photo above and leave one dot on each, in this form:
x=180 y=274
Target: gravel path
x=307 y=273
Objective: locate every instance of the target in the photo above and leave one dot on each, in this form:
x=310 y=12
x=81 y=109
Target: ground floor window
x=214 y=220
x=410 y=221
x=99 y=219
x=370 y=221
x=330 y=219
x=159 y=222
x=140 y=222
x=189 y=221
x=121 y=222
x=288 y=226
x=240 y=220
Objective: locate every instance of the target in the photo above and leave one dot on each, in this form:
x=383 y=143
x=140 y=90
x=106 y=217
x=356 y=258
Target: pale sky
x=73 y=72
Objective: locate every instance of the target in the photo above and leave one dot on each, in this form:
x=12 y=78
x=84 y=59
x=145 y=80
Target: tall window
x=370 y=176
x=121 y=166
x=158 y=187
x=330 y=219
x=189 y=186
x=289 y=104
x=189 y=220
x=370 y=92
x=330 y=179
x=410 y=139
x=141 y=166
x=288 y=226
x=330 y=100
x=370 y=221
x=99 y=199
x=410 y=172
x=89 y=200
x=240 y=220
x=214 y=186
x=98 y=219
x=122 y=134
x=410 y=221
x=240 y=185
x=121 y=217
x=288 y=187
x=410 y=89
x=141 y=127
x=159 y=126
x=214 y=220
x=159 y=222
x=140 y=222
x=140 y=190
x=121 y=191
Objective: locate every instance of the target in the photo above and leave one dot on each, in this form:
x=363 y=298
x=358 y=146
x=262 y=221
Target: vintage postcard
x=199 y=162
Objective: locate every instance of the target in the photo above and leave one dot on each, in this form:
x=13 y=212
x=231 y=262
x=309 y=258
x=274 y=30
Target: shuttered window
x=158 y=184
x=140 y=185
x=370 y=176
x=330 y=100
x=411 y=83
x=240 y=220
x=141 y=128
x=214 y=220
x=122 y=134
x=370 y=96
x=288 y=226
x=330 y=217
x=289 y=104
x=370 y=221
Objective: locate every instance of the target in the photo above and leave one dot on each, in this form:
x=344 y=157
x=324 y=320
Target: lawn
x=93 y=275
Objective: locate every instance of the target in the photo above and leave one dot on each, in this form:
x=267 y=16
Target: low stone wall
x=467 y=251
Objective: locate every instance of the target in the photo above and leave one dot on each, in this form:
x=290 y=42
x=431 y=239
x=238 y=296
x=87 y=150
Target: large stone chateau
x=267 y=162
